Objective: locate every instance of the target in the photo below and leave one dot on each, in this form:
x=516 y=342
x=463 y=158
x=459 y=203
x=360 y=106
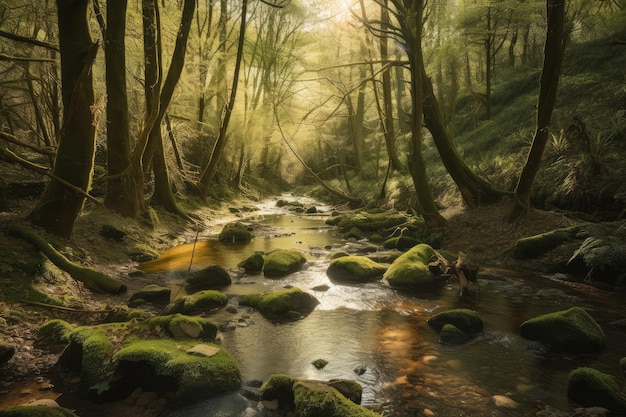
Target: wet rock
x=321 y=288
x=320 y=363
x=410 y=271
x=452 y=335
x=354 y=269
x=360 y=370
x=465 y=319
x=252 y=390
x=402 y=243
x=572 y=330
x=6 y=352
x=350 y=389
x=203 y=301
x=235 y=233
x=502 y=401
x=152 y=293
x=210 y=278
x=253 y=264
x=283 y=262
x=311 y=210
x=280 y=305
x=184 y=327
x=590 y=387
x=353 y=233
x=315 y=398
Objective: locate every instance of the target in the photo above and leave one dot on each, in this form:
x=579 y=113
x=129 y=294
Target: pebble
x=428 y=412
x=504 y=402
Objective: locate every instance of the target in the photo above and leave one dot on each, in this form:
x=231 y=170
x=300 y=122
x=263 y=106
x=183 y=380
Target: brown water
x=408 y=373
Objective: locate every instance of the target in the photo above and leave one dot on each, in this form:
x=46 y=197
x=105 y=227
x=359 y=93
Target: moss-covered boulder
x=213 y=277
x=288 y=304
x=151 y=293
x=466 y=320
x=452 y=335
x=235 y=233
x=410 y=271
x=354 y=233
x=402 y=243
x=283 y=262
x=537 y=245
x=253 y=264
x=354 y=269
x=36 y=411
x=184 y=327
x=55 y=331
x=6 y=352
x=367 y=221
x=316 y=399
x=590 y=387
x=572 y=330
x=335 y=398
x=195 y=371
x=200 y=302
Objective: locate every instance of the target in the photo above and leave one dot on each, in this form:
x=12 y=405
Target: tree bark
x=59 y=207
x=118 y=140
x=554 y=51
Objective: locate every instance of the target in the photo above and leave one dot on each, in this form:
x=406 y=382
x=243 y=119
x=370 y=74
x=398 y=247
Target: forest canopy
x=413 y=105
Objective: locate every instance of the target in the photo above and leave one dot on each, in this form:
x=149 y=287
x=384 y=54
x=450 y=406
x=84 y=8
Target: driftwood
x=466 y=271
x=94 y=280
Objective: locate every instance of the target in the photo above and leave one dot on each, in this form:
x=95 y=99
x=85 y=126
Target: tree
x=59 y=206
x=554 y=52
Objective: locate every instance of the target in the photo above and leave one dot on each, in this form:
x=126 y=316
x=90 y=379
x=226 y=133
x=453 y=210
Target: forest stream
x=385 y=333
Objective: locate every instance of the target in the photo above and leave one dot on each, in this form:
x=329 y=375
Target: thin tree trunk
x=59 y=207
x=554 y=51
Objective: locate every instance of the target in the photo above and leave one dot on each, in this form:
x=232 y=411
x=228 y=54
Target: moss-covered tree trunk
x=554 y=51
x=474 y=189
x=59 y=207
x=118 y=142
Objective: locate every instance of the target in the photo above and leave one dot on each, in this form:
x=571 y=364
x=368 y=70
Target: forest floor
x=482 y=233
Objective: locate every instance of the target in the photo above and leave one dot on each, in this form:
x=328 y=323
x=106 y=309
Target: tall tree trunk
x=474 y=189
x=220 y=142
x=118 y=140
x=554 y=51
x=59 y=207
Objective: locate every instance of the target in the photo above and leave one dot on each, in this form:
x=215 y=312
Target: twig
x=73 y=310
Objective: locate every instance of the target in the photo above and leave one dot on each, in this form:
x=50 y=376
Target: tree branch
x=24 y=39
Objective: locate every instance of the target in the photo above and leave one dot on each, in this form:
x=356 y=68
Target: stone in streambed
x=151 y=293
x=283 y=262
x=572 y=330
x=200 y=302
x=281 y=305
x=253 y=264
x=354 y=269
x=465 y=319
x=235 y=233
x=410 y=271
x=212 y=277
x=590 y=387
x=452 y=335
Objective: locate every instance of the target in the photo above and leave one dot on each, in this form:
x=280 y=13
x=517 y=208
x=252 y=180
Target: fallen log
x=94 y=280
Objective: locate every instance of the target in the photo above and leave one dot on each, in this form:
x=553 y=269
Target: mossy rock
x=572 y=330
x=410 y=270
x=212 y=277
x=622 y=364
x=151 y=293
x=185 y=327
x=281 y=305
x=354 y=269
x=370 y=222
x=193 y=376
x=36 y=411
x=278 y=387
x=6 y=352
x=590 y=387
x=402 y=243
x=466 y=320
x=200 y=302
x=55 y=331
x=121 y=314
x=452 y=335
x=283 y=262
x=339 y=254
x=316 y=399
x=354 y=233
x=535 y=246
x=349 y=388
x=235 y=233
x=253 y=264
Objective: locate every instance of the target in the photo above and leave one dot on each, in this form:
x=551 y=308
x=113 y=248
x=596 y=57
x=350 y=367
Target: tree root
x=94 y=280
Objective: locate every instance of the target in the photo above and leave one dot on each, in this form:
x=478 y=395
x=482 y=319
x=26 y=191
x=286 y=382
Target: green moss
x=410 y=270
x=200 y=302
x=95 y=349
x=55 y=331
x=235 y=233
x=452 y=335
x=467 y=320
x=316 y=399
x=371 y=222
x=175 y=325
x=278 y=387
x=194 y=376
x=36 y=411
x=534 y=246
x=590 y=387
x=283 y=262
x=354 y=269
x=401 y=243
x=253 y=264
x=572 y=330
x=279 y=304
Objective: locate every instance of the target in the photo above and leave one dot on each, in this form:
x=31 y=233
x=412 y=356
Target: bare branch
x=24 y=39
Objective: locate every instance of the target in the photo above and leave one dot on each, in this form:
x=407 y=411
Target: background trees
x=353 y=107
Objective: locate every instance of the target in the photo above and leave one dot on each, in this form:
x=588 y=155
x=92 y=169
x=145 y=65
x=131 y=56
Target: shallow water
x=408 y=372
